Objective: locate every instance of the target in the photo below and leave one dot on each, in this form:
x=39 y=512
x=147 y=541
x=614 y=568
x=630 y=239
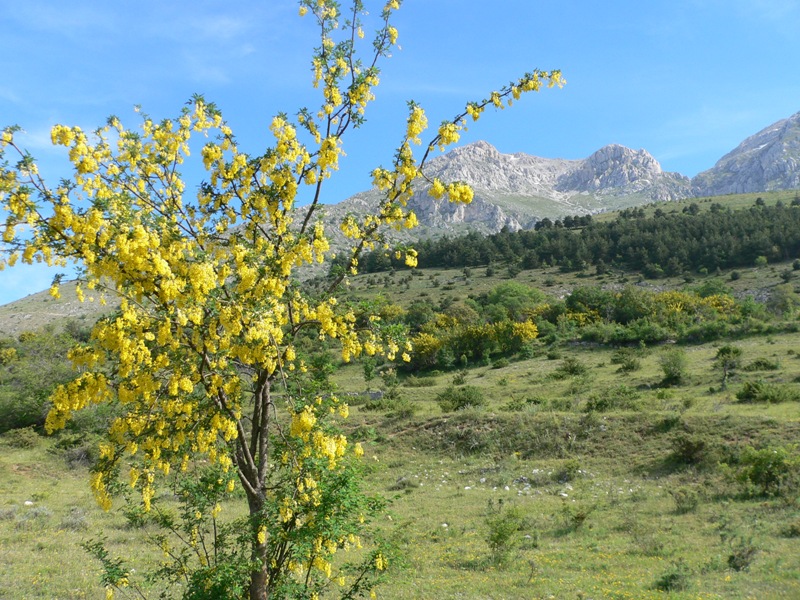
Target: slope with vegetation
x=564 y=433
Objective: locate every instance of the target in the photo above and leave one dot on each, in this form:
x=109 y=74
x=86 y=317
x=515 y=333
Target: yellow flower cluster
x=417 y=123
x=449 y=133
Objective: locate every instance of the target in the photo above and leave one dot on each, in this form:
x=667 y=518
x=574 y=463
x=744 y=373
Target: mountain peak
x=618 y=170
x=517 y=190
x=768 y=160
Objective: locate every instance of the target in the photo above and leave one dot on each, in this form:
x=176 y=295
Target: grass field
x=605 y=504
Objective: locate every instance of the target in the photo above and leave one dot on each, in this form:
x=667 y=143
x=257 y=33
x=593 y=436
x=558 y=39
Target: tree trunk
x=259 y=576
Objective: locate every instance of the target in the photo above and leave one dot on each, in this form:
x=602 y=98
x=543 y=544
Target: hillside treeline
x=664 y=244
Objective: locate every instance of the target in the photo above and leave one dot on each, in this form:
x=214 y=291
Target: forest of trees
x=665 y=244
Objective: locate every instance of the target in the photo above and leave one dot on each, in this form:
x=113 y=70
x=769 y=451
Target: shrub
x=460 y=378
x=689 y=450
x=647 y=331
x=36 y=518
x=622 y=397
x=769 y=471
x=22 y=438
x=414 y=381
x=707 y=331
x=792 y=530
x=458 y=398
x=574 y=514
x=675 y=578
x=686 y=499
x=520 y=404
x=403 y=484
x=29 y=371
x=628 y=359
x=503 y=535
x=553 y=354
x=673 y=363
x=570 y=367
x=743 y=552
x=761 y=391
x=569 y=471
x=75 y=520
x=762 y=364
x=394 y=405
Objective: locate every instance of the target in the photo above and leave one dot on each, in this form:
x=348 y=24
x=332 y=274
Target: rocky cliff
x=766 y=161
x=619 y=171
x=516 y=190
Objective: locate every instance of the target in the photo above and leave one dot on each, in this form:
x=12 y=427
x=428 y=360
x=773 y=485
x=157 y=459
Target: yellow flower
x=380 y=562
x=437 y=189
x=448 y=134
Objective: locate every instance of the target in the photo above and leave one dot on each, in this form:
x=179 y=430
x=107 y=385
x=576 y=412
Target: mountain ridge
x=517 y=190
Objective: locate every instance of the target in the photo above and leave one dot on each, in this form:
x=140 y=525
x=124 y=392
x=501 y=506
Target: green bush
x=707 y=331
x=460 y=378
x=673 y=363
x=458 y=398
x=574 y=514
x=743 y=552
x=769 y=471
x=520 y=404
x=761 y=391
x=22 y=438
x=570 y=367
x=675 y=579
x=569 y=471
x=645 y=330
x=394 y=405
x=621 y=397
x=690 y=450
x=792 y=529
x=628 y=359
x=413 y=381
x=686 y=499
x=762 y=364
x=32 y=366
x=504 y=532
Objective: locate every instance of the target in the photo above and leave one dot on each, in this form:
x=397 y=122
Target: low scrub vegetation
x=593 y=438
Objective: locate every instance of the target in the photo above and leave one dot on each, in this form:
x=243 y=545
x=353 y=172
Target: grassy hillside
x=616 y=503
x=579 y=470
x=38 y=310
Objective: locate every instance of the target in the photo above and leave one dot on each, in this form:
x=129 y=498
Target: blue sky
x=685 y=79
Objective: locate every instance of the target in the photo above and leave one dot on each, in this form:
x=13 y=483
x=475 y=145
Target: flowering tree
x=201 y=359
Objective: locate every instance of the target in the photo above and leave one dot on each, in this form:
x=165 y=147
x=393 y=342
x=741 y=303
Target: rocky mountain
x=619 y=171
x=517 y=190
x=766 y=161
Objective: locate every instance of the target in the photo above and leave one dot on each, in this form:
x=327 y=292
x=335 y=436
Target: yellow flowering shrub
x=201 y=357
